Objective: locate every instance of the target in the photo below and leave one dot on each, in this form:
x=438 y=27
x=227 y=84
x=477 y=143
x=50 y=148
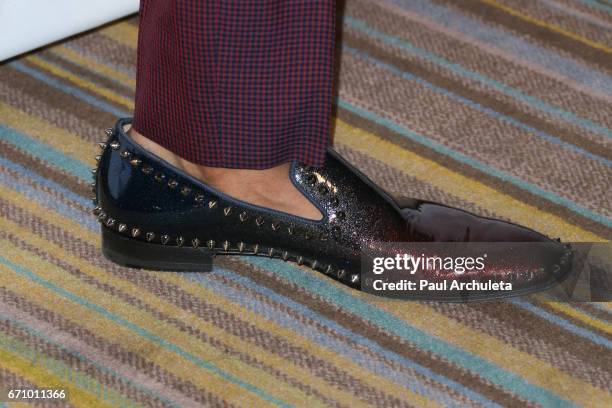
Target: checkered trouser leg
x=236 y=83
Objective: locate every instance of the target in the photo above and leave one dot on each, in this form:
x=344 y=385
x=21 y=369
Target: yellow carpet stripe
x=551 y=27
x=237 y=343
x=164 y=330
x=169 y=309
x=283 y=365
x=488 y=347
x=76 y=229
x=576 y=314
x=122 y=32
x=109 y=330
x=367 y=143
x=531 y=368
x=31 y=206
x=458 y=185
x=57 y=138
x=455 y=183
x=330 y=356
x=45 y=380
x=80 y=82
x=101 y=69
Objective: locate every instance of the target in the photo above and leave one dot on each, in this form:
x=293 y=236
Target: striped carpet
x=503 y=107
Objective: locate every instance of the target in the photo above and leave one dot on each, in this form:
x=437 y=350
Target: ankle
x=270 y=188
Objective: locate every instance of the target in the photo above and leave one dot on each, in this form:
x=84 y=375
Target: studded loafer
x=155 y=216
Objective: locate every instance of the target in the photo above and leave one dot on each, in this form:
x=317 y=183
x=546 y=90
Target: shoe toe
x=427 y=221
x=531 y=259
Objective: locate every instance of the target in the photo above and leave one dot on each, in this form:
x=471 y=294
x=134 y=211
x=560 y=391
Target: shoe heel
x=137 y=254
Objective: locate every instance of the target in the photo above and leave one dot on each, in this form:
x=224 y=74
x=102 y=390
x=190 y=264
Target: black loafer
x=155 y=216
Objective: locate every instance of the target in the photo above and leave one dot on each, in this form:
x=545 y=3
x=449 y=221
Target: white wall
x=29 y=24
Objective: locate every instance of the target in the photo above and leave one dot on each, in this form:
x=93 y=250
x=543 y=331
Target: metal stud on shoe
x=314 y=264
x=185 y=191
x=102 y=145
x=164 y=239
x=122 y=227
x=110 y=222
x=210 y=244
x=135 y=232
x=285 y=255
x=240 y=246
x=259 y=221
x=125 y=154
x=98 y=157
x=180 y=241
x=300 y=260
x=115 y=145
x=109 y=131
x=329 y=269
x=225 y=245
x=135 y=162
x=172 y=184
x=195 y=242
x=146 y=169
x=212 y=204
x=243 y=216
x=275 y=226
x=341 y=273
x=255 y=249
x=271 y=252
x=150 y=236
x=354 y=278
x=227 y=210
x=199 y=198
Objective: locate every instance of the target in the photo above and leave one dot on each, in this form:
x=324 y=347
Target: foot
x=269 y=188
x=158 y=216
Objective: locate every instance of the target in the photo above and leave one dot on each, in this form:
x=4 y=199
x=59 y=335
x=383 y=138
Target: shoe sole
x=133 y=253
x=137 y=254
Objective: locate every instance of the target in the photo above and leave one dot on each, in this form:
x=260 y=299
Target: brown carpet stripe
x=259 y=323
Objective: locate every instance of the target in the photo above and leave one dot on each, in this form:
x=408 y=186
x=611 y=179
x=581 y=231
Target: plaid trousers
x=236 y=83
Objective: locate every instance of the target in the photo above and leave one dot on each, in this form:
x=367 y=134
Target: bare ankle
x=267 y=188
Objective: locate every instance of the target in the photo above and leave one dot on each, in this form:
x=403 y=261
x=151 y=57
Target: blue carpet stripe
x=320 y=338
x=559 y=321
x=410 y=334
x=208 y=366
x=462 y=158
x=381 y=369
x=45 y=152
x=70 y=90
x=519 y=48
x=596 y=4
x=81 y=357
x=474 y=105
x=405 y=45
x=385 y=321
x=24 y=171
x=476 y=164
